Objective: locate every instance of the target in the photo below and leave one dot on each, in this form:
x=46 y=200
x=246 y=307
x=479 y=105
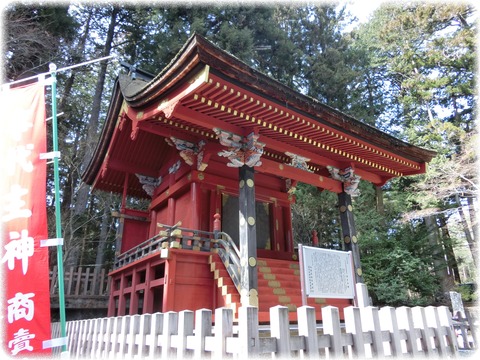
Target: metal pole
x=58 y=218
x=61 y=69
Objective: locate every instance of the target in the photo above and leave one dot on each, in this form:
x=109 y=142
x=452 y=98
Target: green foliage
x=33 y=37
x=468 y=291
x=398 y=268
x=315 y=210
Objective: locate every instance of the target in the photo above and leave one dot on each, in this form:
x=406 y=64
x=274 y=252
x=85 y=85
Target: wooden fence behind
x=81 y=281
x=366 y=332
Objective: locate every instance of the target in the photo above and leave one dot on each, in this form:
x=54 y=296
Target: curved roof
x=204 y=88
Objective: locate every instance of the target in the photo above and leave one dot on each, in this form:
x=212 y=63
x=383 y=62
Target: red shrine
x=217 y=149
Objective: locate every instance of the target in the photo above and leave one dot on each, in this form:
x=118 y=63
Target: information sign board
x=326 y=273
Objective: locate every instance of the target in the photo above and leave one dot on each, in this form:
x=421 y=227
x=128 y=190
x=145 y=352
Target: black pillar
x=350 y=233
x=248 y=238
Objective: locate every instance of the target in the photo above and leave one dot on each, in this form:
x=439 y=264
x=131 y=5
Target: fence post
x=446 y=321
x=53 y=280
x=353 y=325
x=462 y=325
x=185 y=328
x=307 y=328
x=156 y=330
x=223 y=330
x=95 y=337
x=248 y=332
x=78 y=280
x=95 y=285
x=71 y=274
x=331 y=326
x=473 y=329
x=72 y=335
x=280 y=329
x=405 y=322
x=420 y=321
x=103 y=338
x=433 y=321
x=117 y=322
x=170 y=323
x=371 y=323
x=133 y=330
x=388 y=322
x=140 y=338
x=122 y=336
x=203 y=328
x=109 y=326
x=83 y=348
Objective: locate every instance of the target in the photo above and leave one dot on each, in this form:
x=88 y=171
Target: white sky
x=362 y=9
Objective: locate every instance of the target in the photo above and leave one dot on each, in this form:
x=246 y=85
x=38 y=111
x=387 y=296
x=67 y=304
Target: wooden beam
x=131 y=168
x=290 y=172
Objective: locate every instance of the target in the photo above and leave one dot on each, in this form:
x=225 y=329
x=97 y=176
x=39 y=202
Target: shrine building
x=215 y=150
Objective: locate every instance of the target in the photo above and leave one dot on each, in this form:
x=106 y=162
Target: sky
x=362 y=9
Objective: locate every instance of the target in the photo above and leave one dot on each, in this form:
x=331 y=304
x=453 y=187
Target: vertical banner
x=25 y=301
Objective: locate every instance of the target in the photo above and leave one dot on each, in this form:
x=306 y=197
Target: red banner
x=26 y=300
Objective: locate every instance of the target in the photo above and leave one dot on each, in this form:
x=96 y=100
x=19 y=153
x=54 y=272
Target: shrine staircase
x=278 y=284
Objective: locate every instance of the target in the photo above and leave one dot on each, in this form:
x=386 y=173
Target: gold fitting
x=250 y=183
x=343 y=208
x=346 y=239
x=251 y=221
x=252 y=261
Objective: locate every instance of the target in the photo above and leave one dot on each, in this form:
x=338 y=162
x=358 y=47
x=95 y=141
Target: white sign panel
x=327 y=273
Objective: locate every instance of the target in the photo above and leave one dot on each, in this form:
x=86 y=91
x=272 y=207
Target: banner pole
x=58 y=218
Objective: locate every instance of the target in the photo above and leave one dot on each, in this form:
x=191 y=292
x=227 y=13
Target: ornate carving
x=169 y=109
x=298 y=161
x=253 y=150
x=349 y=179
x=134 y=133
x=188 y=151
x=241 y=151
x=291 y=186
x=174 y=168
x=149 y=183
x=121 y=121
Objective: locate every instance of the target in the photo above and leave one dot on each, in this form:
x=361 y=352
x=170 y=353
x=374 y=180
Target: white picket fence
x=366 y=333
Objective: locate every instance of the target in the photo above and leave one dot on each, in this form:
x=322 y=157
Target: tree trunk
x=466 y=230
x=103 y=232
x=76 y=57
x=379 y=200
x=473 y=219
x=440 y=266
x=447 y=243
x=92 y=134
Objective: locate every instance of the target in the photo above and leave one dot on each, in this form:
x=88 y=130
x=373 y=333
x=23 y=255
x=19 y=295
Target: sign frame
x=308 y=271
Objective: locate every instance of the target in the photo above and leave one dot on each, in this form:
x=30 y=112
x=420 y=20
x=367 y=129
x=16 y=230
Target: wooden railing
x=230 y=256
x=81 y=281
x=179 y=237
x=169 y=236
x=367 y=333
